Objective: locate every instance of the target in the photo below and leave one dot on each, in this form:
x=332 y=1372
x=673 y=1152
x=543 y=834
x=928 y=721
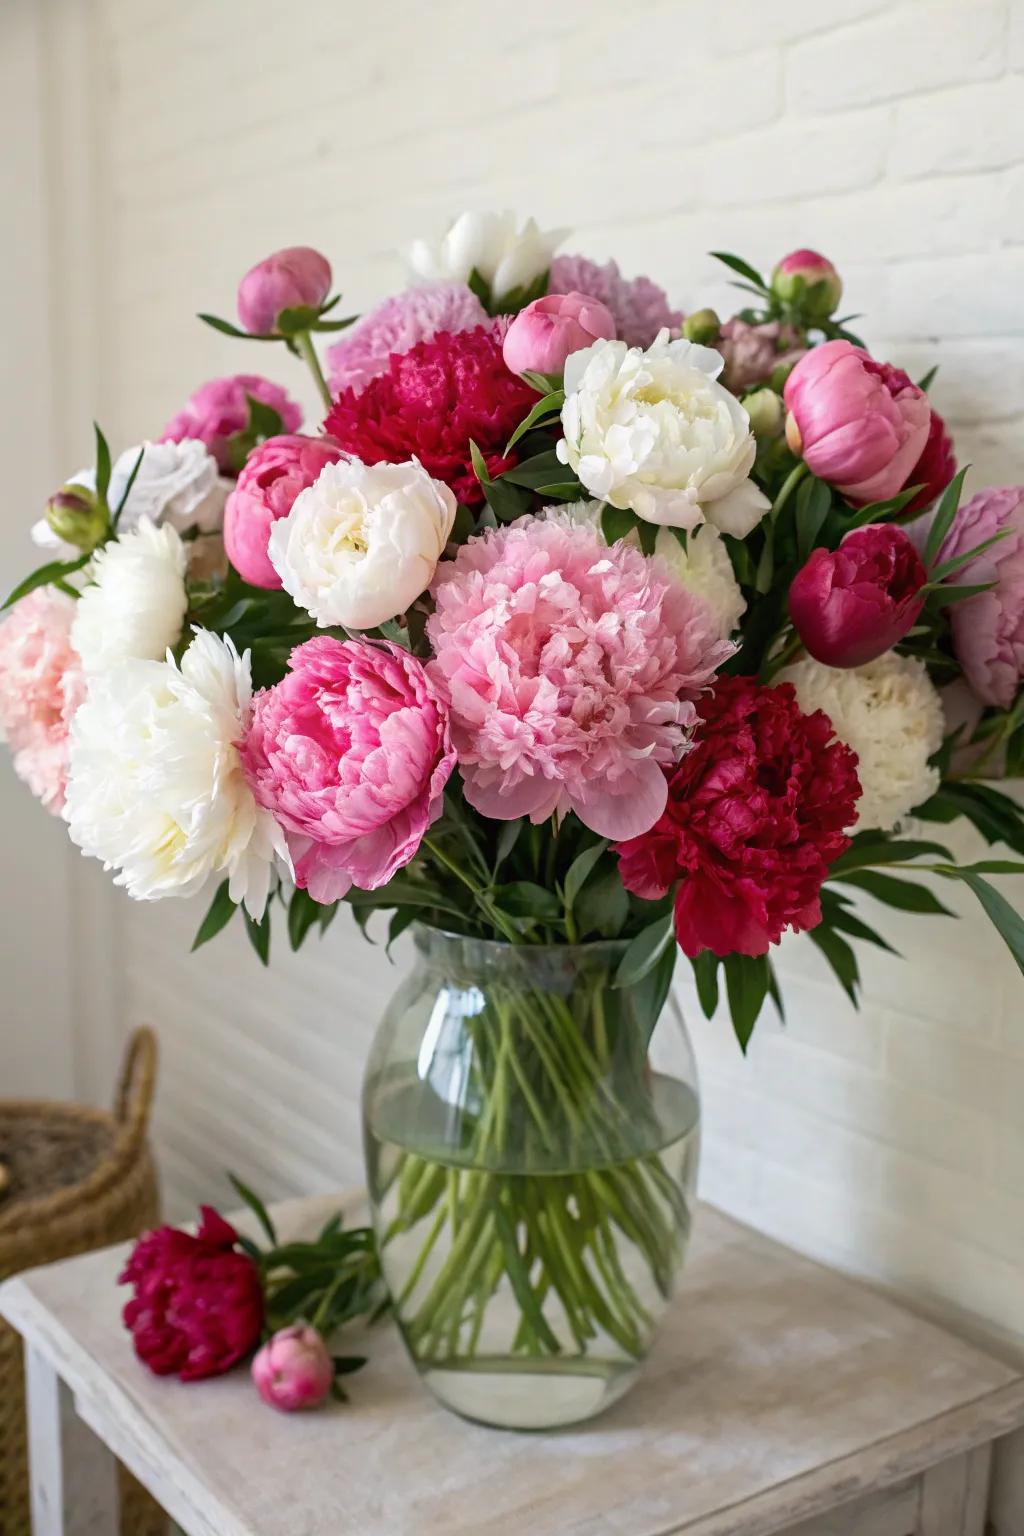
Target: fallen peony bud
x=293 y=1370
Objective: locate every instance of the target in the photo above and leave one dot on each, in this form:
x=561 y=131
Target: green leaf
x=481 y=287
x=944 y=515
x=840 y=957
x=990 y=867
x=902 y=894
x=259 y=934
x=549 y=405
x=1008 y=921
x=45 y=576
x=649 y=995
x=264 y=421
x=998 y=818
x=949 y=567
x=603 y=905
x=344 y=1365
x=507 y=839
x=579 y=869
x=836 y=914
x=737 y=264
x=645 y=951
x=298 y=318
x=102 y=464
x=746 y=985
x=928 y=380
x=945 y=597
x=535 y=472
x=616 y=523
x=123 y=502
x=775 y=993
x=303 y=912
x=705 y=974
x=813 y=502
x=400 y=921
x=255 y=1205
x=877 y=511
x=861 y=855
x=220 y=912
x=227 y=329
x=523 y=898
x=543 y=383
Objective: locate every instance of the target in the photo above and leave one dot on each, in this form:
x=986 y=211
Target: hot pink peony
x=351 y=752
x=294 y=1369
x=395 y=327
x=571 y=668
x=859 y=424
x=850 y=605
x=41 y=686
x=273 y=476
x=988 y=629
x=219 y=411
x=550 y=329
x=639 y=308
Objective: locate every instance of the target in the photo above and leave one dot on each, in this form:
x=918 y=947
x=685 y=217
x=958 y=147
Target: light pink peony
x=219 y=410
x=549 y=330
x=274 y=474
x=294 y=1369
x=639 y=308
x=571 y=668
x=295 y=278
x=988 y=629
x=396 y=326
x=351 y=752
x=41 y=686
x=859 y=424
x=753 y=352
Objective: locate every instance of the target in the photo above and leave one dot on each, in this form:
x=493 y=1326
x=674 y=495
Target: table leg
x=954 y=1495
x=73 y=1474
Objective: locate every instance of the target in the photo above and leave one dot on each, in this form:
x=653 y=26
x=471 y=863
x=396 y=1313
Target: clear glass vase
x=532 y=1148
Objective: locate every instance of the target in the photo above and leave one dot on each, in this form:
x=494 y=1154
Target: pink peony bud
x=549 y=330
x=296 y=278
x=852 y=604
x=860 y=425
x=271 y=478
x=77 y=515
x=809 y=281
x=293 y=1369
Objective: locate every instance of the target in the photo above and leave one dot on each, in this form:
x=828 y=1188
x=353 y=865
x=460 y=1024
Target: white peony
x=655 y=432
x=362 y=543
x=891 y=715
x=155 y=783
x=136 y=604
x=505 y=257
x=704 y=566
x=177 y=483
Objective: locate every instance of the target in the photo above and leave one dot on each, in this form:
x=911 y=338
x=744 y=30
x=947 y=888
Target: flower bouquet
x=579 y=633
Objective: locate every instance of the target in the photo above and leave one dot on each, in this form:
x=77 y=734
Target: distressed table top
x=778 y=1390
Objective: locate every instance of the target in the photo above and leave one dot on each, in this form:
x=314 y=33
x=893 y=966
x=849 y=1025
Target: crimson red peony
x=756 y=814
x=852 y=604
x=197 y=1306
x=431 y=403
x=935 y=468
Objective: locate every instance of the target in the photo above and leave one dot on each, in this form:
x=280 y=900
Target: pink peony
x=351 y=753
x=273 y=476
x=395 y=327
x=988 y=629
x=753 y=352
x=294 y=1369
x=571 y=669
x=41 y=686
x=639 y=308
x=935 y=468
x=295 y=278
x=859 y=424
x=549 y=330
x=219 y=411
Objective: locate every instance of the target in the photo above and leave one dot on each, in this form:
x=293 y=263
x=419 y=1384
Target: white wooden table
x=782 y=1397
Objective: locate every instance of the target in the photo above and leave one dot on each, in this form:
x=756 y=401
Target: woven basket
x=72 y=1179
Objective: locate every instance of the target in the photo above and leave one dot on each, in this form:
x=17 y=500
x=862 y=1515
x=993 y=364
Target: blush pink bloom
x=571 y=668
x=988 y=629
x=639 y=308
x=859 y=424
x=351 y=752
x=753 y=352
x=274 y=474
x=295 y=278
x=294 y=1369
x=219 y=411
x=41 y=686
x=394 y=327
x=549 y=330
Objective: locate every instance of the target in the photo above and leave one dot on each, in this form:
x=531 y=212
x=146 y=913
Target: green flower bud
x=702 y=326
x=766 y=412
x=78 y=516
x=809 y=283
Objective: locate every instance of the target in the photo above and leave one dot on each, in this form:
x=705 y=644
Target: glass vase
x=532 y=1146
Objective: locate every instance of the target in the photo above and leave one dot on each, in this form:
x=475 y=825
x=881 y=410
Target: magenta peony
x=753 y=352
x=988 y=629
x=810 y=280
x=219 y=411
x=395 y=327
x=294 y=1369
x=571 y=668
x=295 y=278
x=274 y=474
x=351 y=753
x=851 y=604
x=859 y=424
x=639 y=308
x=41 y=686
x=547 y=331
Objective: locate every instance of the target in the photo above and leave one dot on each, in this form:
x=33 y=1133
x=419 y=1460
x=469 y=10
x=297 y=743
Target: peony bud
x=78 y=516
x=293 y=1369
x=765 y=411
x=852 y=604
x=295 y=278
x=809 y=282
x=703 y=326
x=550 y=329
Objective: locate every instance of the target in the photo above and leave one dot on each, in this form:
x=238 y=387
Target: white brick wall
x=886 y=132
